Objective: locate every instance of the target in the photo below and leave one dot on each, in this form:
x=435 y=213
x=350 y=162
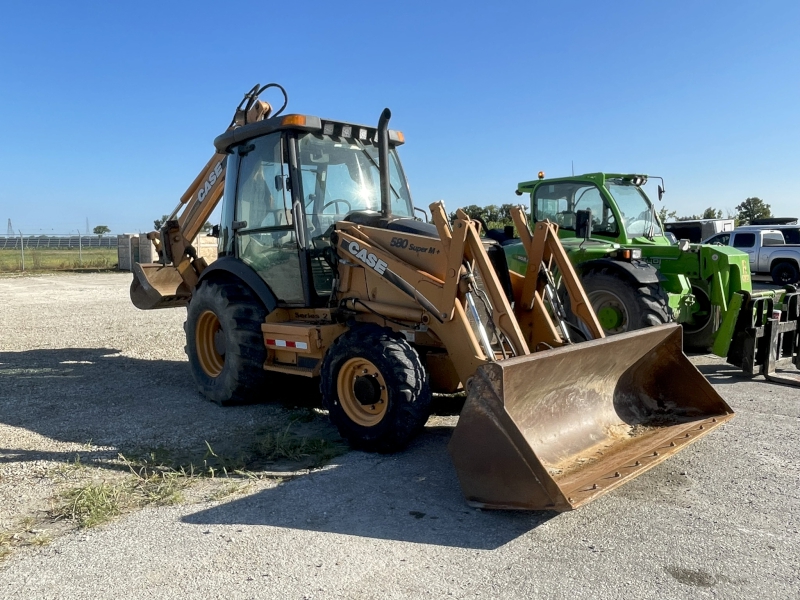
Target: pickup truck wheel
x=375 y=389
x=224 y=343
x=620 y=306
x=784 y=273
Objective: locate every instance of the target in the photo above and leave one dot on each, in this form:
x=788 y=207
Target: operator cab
x=290 y=179
x=619 y=206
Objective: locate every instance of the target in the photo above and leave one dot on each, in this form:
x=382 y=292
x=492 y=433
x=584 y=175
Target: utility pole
x=22 y=249
x=80 y=249
x=10 y=230
x=87 y=226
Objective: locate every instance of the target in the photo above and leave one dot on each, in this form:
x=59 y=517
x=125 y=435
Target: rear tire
x=784 y=273
x=620 y=306
x=224 y=342
x=375 y=389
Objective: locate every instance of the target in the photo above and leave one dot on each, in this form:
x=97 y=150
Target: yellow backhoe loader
x=323 y=271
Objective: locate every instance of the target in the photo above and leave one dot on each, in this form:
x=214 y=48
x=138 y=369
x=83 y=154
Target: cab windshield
x=634 y=208
x=341 y=176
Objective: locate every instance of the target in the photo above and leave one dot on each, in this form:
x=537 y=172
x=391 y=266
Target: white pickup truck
x=768 y=250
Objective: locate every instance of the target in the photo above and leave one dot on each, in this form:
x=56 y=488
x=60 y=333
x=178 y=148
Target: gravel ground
x=84 y=374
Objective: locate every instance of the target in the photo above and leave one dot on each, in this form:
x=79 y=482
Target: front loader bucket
x=555 y=429
x=158 y=286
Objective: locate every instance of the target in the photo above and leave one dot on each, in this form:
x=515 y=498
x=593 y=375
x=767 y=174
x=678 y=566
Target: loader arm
x=444 y=293
x=544 y=251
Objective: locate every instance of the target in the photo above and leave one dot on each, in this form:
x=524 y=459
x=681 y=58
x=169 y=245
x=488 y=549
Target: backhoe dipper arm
x=195 y=207
x=200 y=199
x=170 y=282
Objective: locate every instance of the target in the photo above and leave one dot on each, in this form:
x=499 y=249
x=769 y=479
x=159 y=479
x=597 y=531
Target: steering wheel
x=336 y=202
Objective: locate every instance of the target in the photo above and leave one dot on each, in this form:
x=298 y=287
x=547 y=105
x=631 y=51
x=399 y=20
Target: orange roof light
x=294 y=120
x=541 y=174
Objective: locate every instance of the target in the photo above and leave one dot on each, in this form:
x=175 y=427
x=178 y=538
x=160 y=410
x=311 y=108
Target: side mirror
x=583 y=223
x=660 y=193
x=214 y=231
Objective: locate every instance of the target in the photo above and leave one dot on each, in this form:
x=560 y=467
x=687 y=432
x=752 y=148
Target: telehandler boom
x=324 y=272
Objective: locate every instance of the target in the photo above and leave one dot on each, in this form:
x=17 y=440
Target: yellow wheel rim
x=362 y=392
x=206 y=336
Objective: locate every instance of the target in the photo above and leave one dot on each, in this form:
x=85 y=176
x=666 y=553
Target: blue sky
x=109 y=110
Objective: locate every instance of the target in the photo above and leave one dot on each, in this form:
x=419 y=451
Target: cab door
x=265 y=234
x=746 y=242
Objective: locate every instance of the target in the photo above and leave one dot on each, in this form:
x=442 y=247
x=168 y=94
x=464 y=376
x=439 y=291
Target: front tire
x=224 y=342
x=375 y=389
x=622 y=307
x=699 y=335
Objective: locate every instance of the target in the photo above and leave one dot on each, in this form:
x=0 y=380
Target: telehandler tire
x=699 y=336
x=375 y=389
x=622 y=307
x=224 y=342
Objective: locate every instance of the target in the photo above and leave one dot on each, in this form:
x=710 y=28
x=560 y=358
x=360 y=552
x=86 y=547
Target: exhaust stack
x=383 y=159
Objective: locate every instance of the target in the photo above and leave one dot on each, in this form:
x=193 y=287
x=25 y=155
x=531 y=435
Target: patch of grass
x=90 y=504
x=40 y=540
x=299 y=445
x=23 y=534
x=228 y=489
x=95 y=503
x=57 y=259
x=158 y=477
x=66 y=468
x=284 y=444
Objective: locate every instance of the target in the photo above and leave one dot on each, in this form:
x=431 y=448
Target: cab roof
x=299 y=122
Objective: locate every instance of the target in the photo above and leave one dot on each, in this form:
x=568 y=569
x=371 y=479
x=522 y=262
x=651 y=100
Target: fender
x=235 y=267
x=637 y=271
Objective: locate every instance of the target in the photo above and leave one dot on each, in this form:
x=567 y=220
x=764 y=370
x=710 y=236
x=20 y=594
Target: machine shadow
x=413 y=496
x=98 y=397
x=112 y=403
x=723 y=374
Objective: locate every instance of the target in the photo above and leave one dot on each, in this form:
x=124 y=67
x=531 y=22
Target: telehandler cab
x=324 y=272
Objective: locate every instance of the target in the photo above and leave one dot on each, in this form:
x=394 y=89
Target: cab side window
x=744 y=240
x=559 y=203
x=722 y=239
x=792 y=236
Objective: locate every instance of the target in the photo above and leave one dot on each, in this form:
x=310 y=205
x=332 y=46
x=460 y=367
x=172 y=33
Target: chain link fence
x=54 y=252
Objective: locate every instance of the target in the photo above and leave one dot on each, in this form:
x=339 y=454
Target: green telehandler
x=635 y=276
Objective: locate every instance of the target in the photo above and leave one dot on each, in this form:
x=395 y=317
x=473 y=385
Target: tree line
x=751 y=208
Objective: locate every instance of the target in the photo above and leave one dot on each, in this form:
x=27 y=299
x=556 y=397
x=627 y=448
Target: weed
x=40 y=540
x=22 y=535
x=285 y=444
x=90 y=504
x=64 y=469
x=228 y=489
